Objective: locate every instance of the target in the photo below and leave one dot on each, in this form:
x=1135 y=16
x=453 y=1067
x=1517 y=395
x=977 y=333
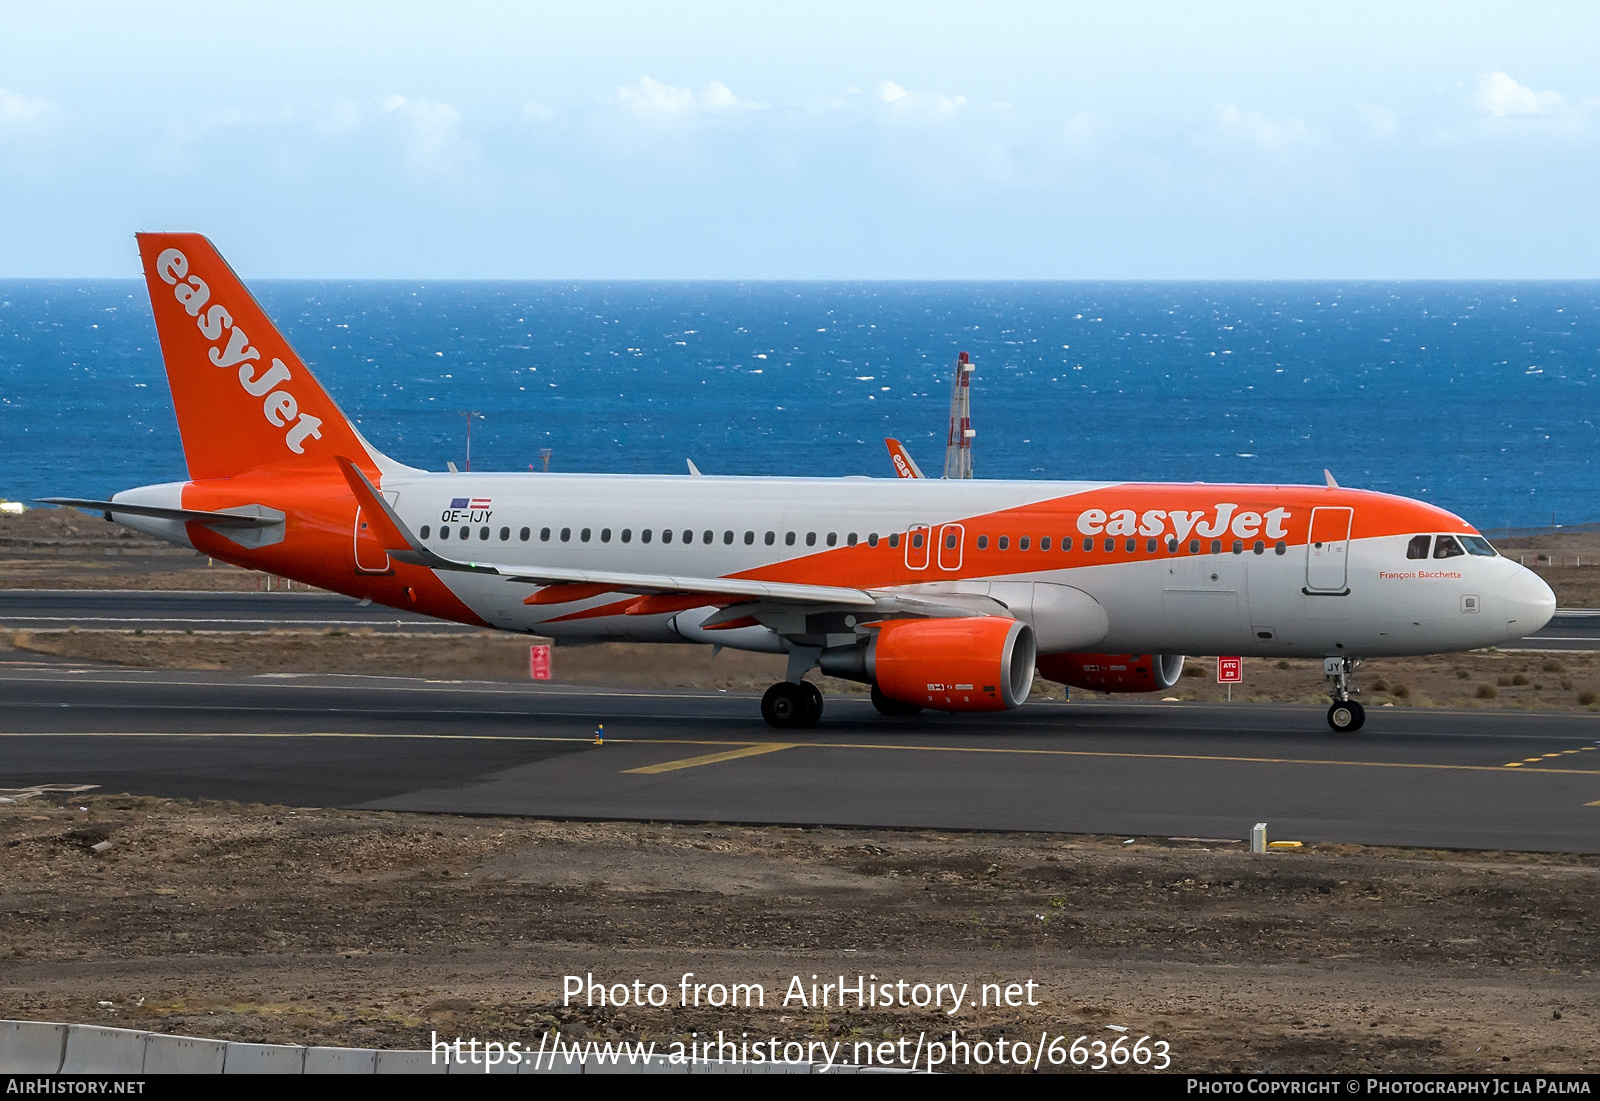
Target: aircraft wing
x=403 y=546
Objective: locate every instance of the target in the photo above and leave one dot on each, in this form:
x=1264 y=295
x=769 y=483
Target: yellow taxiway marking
x=710 y=758
x=1596 y=803
x=992 y=750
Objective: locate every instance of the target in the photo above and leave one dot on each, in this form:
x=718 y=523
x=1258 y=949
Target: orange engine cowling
x=982 y=663
x=1113 y=672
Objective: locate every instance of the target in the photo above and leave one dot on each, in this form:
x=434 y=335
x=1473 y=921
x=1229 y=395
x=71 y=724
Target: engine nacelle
x=977 y=663
x=1113 y=672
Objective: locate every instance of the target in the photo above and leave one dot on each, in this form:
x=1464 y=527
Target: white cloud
x=1379 y=122
x=902 y=100
x=434 y=143
x=650 y=98
x=1499 y=96
x=1263 y=131
x=19 y=108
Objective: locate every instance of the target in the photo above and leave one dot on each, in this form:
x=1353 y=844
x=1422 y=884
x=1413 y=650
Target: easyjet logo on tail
x=279 y=406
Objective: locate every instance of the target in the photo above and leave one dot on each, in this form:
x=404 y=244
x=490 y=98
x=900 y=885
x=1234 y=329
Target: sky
x=806 y=140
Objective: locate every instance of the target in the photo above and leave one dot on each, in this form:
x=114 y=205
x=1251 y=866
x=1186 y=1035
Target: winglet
x=1328 y=474
x=391 y=531
x=904 y=465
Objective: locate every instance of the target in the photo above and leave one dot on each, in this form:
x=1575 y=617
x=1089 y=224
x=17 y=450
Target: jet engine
x=977 y=663
x=1113 y=672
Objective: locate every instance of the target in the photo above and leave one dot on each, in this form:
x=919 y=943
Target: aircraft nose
x=1529 y=603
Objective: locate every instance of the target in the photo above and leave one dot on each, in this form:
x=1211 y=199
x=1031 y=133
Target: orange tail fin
x=244 y=399
x=904 y=465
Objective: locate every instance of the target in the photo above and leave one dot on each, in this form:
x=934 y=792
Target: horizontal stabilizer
x=187 y=515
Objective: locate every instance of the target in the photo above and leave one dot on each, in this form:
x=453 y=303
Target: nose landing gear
x=1346 y=715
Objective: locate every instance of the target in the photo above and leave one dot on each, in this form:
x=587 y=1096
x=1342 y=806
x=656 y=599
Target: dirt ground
x=293 y=926
x=1518 y=680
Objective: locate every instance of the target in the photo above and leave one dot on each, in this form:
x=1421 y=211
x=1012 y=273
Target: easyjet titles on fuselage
x=1207 y=524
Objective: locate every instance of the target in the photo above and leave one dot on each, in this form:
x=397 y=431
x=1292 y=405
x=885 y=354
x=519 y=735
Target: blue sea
x=1481 y=397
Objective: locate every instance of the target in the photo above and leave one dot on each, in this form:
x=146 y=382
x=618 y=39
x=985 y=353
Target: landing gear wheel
x=1347 y=716
x=813 y=704
x=788 y=705
x=889 y=706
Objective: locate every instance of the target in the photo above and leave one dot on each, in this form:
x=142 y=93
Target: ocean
x=1480 y=397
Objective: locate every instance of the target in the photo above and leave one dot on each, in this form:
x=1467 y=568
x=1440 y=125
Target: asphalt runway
x=1412 y=777
x=130 y=609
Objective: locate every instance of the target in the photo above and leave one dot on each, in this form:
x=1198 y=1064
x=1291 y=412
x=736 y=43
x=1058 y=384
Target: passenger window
x=505 y=533
x=666 y=535
x=464 y=533
x=1418 y=547
x=950 y=541
x=1216 y=546
x=425 y=530
x=645 y=534
x=1172 y=545
x=916 y=540
x=483 y=532
x=1066 y=545
x=1477 y=544
x=772 y=537
x=1005 y=542
x=627 y=535
x=727 y=538
x=872 y=539
x=1150 y=546
x=983 y=542
x=1446 y=547
x=544 y=535
x=584 y=535
x=894 y=539
x=706 y=537
x=605 y=535
x=1022 y=543
x=1111 y=545
x=1131 y=545
x=1088 y=544
x=1260 y=547
x=833 y=539
x=850 y=540
x=1194 y=546
x=811 y=538
x=566 y=534
x=788 y=538
x=1280 y=547
x=522 y=535
x=1238 y=546
x=1044 y=543
x=749 y=539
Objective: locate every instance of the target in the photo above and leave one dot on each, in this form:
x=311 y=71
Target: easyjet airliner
x=940 y=594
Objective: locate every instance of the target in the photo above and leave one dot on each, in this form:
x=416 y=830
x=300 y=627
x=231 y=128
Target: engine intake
x=979 y=663
x=1113 y=672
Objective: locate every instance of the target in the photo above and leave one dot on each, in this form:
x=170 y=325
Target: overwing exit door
x=1328 y=551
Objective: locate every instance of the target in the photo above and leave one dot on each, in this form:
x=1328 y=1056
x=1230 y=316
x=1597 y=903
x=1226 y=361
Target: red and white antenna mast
x=958 y=445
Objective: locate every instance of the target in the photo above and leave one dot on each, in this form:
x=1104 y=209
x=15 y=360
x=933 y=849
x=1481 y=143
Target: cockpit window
x=1477 y=544
x=1447 y=547
x=1418 y=547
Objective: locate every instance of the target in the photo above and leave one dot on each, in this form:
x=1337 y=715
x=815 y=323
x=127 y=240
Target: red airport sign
x=1230 y=670
x=539 y=662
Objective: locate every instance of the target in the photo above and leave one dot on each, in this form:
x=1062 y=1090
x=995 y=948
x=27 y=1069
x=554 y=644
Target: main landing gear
x=1346 y=715
x=788 y=706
